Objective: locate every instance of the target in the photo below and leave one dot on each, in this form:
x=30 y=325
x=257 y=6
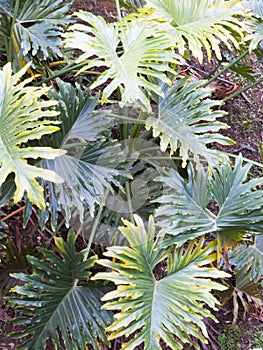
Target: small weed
x=243 y=121
x=229 y=339
x=258 y=339
x=239 y=338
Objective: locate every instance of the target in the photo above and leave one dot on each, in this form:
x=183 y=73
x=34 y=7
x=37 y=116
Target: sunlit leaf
x=186 y=120
x=170 y=308
x=130 y=51
x=200 y=25
x=23 y=117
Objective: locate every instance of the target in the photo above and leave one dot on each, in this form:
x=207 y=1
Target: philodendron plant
x=126 y=154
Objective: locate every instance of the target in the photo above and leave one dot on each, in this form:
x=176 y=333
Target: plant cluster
x=126 y=154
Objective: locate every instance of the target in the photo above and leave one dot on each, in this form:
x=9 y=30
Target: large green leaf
x=256 y=23
x=170 y=308
x=202 y=24
x=37 y=27
x=186 y=120
x=59 y=296
x=183 y=211
x=240 y=202
x=92 y=162
x=249 y=258
x=187 y=211
x=130 y=51
x=86 y=178
x=23 y=117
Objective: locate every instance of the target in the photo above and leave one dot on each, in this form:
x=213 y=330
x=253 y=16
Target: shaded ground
x=245 y=116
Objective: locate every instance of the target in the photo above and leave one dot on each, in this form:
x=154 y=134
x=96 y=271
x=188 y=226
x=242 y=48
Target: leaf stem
x=118 y=8
x=124 y=129
x=258 y=81
x=222 y=71
x=129 y=200
x=147 y=134
x=95 y=226
x=69 y=68
x=137 y=128
x=10 y=47
x=261 y=150
x=129 y=119
x=6 y=46
x=60 y=63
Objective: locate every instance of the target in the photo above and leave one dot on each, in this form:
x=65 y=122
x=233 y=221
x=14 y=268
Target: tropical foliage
x=126 y=155
x=146 y=52
x=256 y=25
x=73 y=307
x=196 y=25
x=186 y=120
x=32 y=29
x=159 y=308
x=22 y=119
x=185 y=212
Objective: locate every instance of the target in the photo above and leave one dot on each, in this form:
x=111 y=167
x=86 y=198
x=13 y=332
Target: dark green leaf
x=59 y=295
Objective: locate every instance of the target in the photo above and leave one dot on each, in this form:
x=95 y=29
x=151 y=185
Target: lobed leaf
x=255 y=23
x=185 y=120
x=92 y=162
x=38 y=26
x=23 y=117
x=186 y=213
x=59 y=296
x=170 y=308
x=249 y=258
x=198 y=25
x=130 y=52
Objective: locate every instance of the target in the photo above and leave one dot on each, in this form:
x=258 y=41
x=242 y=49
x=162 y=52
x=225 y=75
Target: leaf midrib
x=47 y=327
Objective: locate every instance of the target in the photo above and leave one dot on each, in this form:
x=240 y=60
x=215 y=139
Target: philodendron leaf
x=186 y=120
x=249 y=258
x=224 y=203
x=23 y=117
x=256 y=23
x=59 y=297
x=200 y=25
x=170 y=308
x=38 y=26
x=92 y=162
x=145 y=52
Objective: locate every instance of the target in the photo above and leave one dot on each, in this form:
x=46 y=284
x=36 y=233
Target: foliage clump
x=126 y=155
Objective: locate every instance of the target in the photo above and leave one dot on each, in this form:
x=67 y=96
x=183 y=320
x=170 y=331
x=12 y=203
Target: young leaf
x=130 y=51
